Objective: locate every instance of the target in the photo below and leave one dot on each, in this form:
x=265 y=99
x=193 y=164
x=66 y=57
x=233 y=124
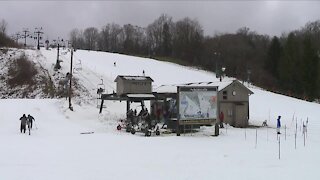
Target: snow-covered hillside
x=57 y=150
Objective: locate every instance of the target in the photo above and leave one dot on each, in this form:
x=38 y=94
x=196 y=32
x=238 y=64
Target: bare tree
x=77 y=39
x=188 y=40
x=3 y=26
x=104 y=38
x=91 y=35
x=115 y=37
x=158 y=34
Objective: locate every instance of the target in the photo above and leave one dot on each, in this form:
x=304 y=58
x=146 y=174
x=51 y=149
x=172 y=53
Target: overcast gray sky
x=58 y=18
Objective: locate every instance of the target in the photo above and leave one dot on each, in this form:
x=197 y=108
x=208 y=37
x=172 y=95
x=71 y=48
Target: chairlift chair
x=100 y=89
x=64 y=53
x=78 y=66
x=75 y=71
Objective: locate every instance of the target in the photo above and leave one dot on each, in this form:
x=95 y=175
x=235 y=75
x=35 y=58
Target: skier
x=130 y=116
x=30 y=120
x=278 y=125
x=165 y=117
x=148 y=119
x=23 y=120
x=29 y=126
x=221 y=117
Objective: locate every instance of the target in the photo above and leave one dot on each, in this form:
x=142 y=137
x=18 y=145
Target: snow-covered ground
x=57 y=150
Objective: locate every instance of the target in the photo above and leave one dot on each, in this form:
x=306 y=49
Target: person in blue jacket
x=278 y=125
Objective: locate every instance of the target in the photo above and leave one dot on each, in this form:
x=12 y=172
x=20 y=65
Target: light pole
x=47 y=44
x=18 y=37
x=70 y=73
x=216 y=55
x=248 y=73
x=38 y=31
x=25 y=36
x=222 y=72
x=57 y=65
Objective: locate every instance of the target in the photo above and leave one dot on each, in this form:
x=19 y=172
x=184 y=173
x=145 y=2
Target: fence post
x=279 y=147
x=285 y=132
x=256 y=138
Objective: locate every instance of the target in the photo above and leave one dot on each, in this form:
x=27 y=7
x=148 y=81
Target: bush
x=6 y=41
x=21 y=72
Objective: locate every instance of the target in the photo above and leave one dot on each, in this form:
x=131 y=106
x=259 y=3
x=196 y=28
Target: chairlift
x=100 y=90
x=64 y=53
x=75 y=71
x=78 y=66
x=100 y=87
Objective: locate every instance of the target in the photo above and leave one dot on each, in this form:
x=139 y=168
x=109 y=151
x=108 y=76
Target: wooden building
x=131 y=89
x=233 y=100
x=133 y=85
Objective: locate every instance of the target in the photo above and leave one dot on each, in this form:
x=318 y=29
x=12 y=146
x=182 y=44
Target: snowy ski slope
x=57 y=150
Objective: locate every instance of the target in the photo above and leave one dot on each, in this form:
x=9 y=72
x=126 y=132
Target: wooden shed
x=133 y=85
x=233 y=101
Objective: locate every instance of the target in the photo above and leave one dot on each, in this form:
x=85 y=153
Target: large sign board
x=197 y=104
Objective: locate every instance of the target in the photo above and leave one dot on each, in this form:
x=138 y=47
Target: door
x=241 y=115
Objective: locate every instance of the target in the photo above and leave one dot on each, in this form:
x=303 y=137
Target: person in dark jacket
x=30 y=120
x=221 y=118
x=23 y=120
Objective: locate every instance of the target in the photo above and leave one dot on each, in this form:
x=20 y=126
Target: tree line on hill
x=288 y=64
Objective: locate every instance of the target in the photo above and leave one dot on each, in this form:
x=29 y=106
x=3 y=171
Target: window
x=225 y=95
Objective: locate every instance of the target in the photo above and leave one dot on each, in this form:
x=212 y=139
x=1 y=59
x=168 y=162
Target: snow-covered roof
x=173 y=88
x=140 y=95
x=136 y=78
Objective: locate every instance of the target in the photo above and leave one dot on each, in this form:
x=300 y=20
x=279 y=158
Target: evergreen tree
x=288 y=67
x=310 y=69
x=273 y=56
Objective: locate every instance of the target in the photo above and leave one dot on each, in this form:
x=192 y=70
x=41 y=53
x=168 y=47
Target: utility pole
x=57 y=66
x=216 y=56
x=70 y=105
x=18 y=36
x=248 y=75
x=38 y=31
x=25 y=36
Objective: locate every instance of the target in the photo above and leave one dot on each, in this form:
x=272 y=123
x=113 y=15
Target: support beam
x=142 y=104
x=128 y=107
x=70 y=85
x=101 y=106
